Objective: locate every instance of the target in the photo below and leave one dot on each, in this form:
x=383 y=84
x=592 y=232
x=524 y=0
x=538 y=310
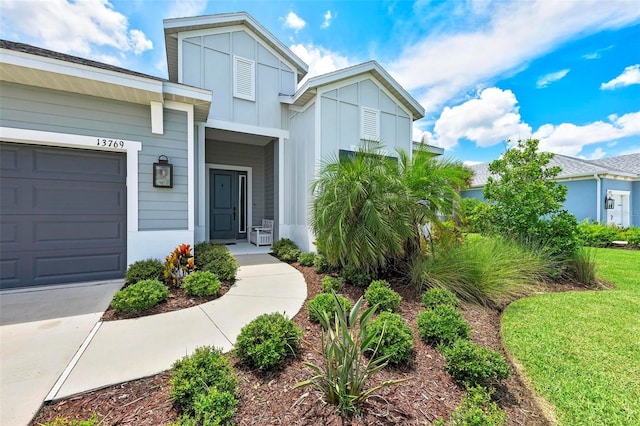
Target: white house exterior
x=79 y=140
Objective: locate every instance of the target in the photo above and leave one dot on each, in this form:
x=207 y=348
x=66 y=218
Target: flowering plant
x=179 y=264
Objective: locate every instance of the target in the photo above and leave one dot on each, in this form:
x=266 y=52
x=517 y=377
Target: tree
x=525 y=200
x=369 y=209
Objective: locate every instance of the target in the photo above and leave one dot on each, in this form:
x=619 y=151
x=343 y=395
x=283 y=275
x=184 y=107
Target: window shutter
x=244 y=82
x=370 y=126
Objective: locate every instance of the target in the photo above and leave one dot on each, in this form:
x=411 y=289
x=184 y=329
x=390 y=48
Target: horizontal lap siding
x=53 y=111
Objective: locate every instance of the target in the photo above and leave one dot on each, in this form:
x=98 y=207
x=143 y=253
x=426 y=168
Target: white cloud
x=597 y=154
x=545 y=80
x=327 y=19
x=630 y=75
x=82 y=27
x=487 y=120
x=185 y=8
x=632 y=150
x=449 y=62
x=597 y=54
x=294 y=22
x=319 y=59
x=570 y=139
x=471 y=163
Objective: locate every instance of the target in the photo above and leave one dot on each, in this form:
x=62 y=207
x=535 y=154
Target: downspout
x=599 y=197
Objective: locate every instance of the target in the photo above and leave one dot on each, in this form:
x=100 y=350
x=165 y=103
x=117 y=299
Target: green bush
x=306 y=259
x=282 y=245
x=216 y=259
x=61 y=421
x=343 y=373
x=322 y=264
x=595 y=234
x=380 y=293
x=477 y=409
x=267 y=341
x=473 y=365
x=289 y=255
x=330 y=284
x=356 y=276
x=148 y=269
x=632 y=236
x=442 y=325
x=139 y=296
x=490 y=271
x=394 y=337
x=184 y=420
x=474 y=215
x=201 y=283
x=214 y=407
x=193 y=377
x=325 y=303
x=439 y=296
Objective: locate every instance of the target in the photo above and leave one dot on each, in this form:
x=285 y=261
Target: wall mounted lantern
x=163 y=173
x=609 y=203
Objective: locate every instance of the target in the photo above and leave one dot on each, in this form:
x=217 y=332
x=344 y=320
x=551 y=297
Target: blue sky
x=564 y=71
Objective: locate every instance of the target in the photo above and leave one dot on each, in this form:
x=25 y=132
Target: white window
x=244 y=78
x=370 y=124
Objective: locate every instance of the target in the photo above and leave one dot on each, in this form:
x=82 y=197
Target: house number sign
x=110 y=143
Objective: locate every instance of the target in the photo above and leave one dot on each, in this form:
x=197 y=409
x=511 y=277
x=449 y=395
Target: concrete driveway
x=41 y=330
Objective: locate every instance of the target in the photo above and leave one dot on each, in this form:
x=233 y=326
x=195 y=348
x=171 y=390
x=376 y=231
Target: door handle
x=234 y=213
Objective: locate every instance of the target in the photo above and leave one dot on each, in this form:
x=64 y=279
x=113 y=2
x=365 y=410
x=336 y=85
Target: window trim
x=236 y=93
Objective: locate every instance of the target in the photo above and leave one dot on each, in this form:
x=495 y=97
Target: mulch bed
x=268 y=399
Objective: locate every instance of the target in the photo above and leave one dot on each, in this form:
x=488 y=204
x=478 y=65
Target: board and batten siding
x=207 y=62
x=33 y=108
x=340 y=118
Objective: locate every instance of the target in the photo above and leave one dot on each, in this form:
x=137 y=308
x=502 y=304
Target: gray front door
x=63 y=215
x=228 y=204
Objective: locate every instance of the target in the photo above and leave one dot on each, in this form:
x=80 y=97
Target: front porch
x=242 y=247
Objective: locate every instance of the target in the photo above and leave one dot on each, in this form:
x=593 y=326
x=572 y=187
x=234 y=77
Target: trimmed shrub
x=217 y=259
x=439 y=296
x=442 y=325
x=356 y=276
x=289 y=255
x=477 y=409
x=322 y=264
x=214 y=407
x=632 y=236
x=61 y=421
x=325 y=303
x=201 y=283
x=595 y=234
x=473 y=365
x=148 y=269
x=306 y=259
x=267 y=341
x=395 y=337
x=193 y=376
x=139 y=296
x=380 y=293
x=282 y=245
x=330 y=284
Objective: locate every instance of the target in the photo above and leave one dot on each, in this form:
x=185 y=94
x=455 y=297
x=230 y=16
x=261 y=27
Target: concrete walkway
x=118 y=351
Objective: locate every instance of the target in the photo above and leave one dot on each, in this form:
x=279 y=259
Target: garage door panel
x=63 y=215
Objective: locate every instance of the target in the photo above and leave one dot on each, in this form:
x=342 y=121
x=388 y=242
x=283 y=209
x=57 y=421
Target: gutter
x=598 y=197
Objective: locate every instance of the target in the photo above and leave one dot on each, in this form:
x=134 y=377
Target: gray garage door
x=62 y=215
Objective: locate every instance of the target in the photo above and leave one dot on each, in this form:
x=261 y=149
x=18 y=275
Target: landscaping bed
x=429 y=394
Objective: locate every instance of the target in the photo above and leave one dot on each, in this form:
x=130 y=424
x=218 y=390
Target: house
x=605 y=190
x=102 y=166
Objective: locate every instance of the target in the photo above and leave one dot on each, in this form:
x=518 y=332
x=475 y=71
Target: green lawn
x=581 y=350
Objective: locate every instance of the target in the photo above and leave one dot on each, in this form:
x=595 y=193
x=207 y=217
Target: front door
x=228 y=204
x=619 y=215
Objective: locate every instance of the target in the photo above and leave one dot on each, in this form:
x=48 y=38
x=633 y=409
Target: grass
x=581 y=350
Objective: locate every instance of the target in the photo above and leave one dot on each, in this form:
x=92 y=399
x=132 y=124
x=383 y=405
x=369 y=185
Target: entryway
x=619 y=215
x=228 y=204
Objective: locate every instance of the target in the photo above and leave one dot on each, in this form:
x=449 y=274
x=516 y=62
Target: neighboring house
x=590 y=184
x=241 y=138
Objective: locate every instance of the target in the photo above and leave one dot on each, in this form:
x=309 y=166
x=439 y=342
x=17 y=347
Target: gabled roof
x=174 y=26
x=309 y=89
x=34 y=66
x=624 y=165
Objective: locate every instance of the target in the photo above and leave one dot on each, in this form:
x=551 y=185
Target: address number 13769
x=112 y=143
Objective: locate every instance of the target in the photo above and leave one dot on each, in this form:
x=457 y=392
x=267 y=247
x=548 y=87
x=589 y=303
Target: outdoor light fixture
x=163 y=173
x=609 y=203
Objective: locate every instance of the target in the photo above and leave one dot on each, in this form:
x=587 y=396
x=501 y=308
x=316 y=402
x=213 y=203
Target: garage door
x=62 y=215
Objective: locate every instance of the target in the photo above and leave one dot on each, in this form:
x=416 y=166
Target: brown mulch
x=268 y=399
x=178 y=299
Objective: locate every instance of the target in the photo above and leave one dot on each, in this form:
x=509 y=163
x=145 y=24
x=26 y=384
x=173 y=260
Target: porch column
x=200 y=231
